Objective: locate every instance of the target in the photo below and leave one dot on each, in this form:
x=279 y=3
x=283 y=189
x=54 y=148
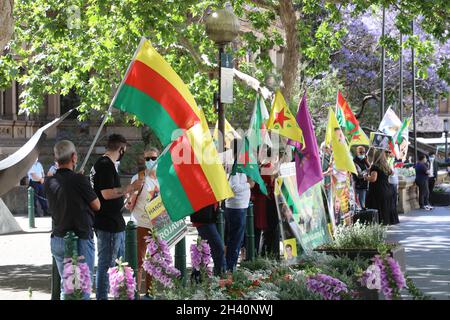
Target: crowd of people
x=375 y=182
x=95 y=206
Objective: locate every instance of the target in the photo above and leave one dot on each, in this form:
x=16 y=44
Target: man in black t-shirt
x=109 y=224
x=71 y=200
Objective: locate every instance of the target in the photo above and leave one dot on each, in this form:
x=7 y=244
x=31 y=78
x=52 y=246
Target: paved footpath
x=426 y=238
x=25 y=261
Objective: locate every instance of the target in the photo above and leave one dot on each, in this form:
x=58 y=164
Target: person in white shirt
x=235 y=216
x=136 y=203
x=433 y=166
x=36 y=177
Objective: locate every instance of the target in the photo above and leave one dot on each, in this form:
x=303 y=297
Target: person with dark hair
x=71 y=202
x=433 y=165
x=380 y=194
x=422 y=175
x=361 y=185
x=109 y=223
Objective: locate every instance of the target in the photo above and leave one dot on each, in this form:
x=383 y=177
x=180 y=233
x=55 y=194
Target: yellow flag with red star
x=282 y=121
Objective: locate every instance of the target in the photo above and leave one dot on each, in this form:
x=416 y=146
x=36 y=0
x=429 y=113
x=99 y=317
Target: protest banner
x=302 y=217
x=155 y=216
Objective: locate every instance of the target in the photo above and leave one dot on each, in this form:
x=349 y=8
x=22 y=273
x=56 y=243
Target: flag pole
x=108 y=112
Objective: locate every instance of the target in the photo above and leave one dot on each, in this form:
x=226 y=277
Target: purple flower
x=328 y=287
x=158 y=261
x=121 y=281
x=76 y=278
x=390 y=277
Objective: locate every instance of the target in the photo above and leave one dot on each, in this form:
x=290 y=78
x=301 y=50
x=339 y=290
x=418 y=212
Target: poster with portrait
x=157 y=217
x=302 y=217
x=290 y=250
x=343 y=196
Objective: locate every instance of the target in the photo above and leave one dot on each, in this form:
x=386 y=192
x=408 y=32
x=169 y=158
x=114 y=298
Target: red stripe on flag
x=147 y=80
x=190 y=174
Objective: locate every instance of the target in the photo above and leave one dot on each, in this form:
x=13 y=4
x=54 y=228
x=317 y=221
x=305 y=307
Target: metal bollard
x=220 y=223
x=131 y=249
x=31 y=209
x=250 y=234
x=180 y=259
x=56 y=282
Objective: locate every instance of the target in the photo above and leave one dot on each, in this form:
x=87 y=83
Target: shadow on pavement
x=21 y=277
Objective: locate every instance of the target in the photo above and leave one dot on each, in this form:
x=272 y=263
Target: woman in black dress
x=380 y=194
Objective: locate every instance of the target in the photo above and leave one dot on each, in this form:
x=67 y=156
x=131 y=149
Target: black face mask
x=121 y=153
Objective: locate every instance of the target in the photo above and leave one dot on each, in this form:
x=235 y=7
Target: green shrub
x=358 y=236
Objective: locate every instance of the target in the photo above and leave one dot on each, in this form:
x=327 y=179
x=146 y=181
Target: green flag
x=246 y=163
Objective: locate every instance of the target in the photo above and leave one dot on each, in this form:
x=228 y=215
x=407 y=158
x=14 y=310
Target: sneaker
x=427 y=208
x=430 y=207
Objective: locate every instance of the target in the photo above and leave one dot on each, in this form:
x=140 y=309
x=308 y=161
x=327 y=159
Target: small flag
x=282 y=121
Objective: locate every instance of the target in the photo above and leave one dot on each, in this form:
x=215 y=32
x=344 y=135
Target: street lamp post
x=446 y=135
x=222 y=27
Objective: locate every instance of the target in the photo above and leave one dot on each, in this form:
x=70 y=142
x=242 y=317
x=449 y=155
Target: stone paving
x=25 y=260
x=426 y=238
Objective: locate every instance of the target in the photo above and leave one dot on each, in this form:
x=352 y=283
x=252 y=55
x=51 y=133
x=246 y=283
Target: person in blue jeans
x=71 y=202
x=109 y=224
x=205 y=221
x=235 y=216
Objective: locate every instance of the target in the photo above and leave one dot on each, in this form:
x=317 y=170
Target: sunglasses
x=150 y=158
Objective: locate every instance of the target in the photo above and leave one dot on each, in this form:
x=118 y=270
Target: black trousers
x=424 y=193
x=431 y=183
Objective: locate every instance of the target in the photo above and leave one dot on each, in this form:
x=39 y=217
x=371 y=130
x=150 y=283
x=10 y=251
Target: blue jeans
x=86 y=248
x=109 y=246
x=235 y=218
x=209 y=233
x=361 y=193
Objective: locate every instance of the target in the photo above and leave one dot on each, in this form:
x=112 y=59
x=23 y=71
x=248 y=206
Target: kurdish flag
x=157 y=96
x=230 y=133
x=283 y=122
x=335 y=137
x=403 y=132
x=246 y=163
x=348 y=121
x=257 y=132
x=190 y=174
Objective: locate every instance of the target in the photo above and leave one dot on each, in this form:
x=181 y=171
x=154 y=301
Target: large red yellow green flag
x=282 y=121
x=154 y=92
x=190 y=173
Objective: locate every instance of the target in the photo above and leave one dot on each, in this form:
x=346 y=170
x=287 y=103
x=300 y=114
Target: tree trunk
x=6 y=18
x=292 y=50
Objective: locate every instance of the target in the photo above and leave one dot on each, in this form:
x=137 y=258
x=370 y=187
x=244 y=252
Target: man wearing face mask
x=136 y=204
x=109 y=223
x=71 y=202
x=361 y=185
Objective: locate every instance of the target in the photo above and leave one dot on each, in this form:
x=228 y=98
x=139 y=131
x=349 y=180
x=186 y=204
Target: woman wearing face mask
x=136 y=204
x=361 y=185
